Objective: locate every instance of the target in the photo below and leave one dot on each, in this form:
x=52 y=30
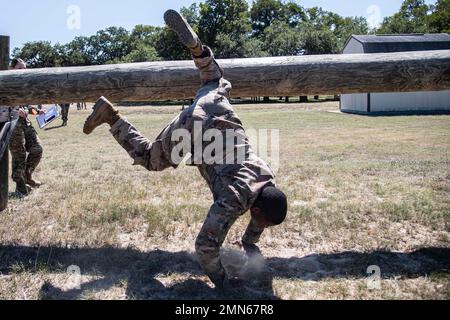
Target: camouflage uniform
x=235 y=187
x=24 y=139
x=65 y=112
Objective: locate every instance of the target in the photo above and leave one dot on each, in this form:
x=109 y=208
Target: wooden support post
x=4 y=161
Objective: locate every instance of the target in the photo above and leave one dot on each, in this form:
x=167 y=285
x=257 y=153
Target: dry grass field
x=363 y=191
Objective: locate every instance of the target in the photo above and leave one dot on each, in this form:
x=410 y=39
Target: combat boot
x=30 y=181
x=23 y=189
x=104 y=112
x=187 y=36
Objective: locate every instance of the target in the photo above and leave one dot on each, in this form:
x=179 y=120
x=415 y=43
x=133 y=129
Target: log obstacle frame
x=4 y=159
x=273 y=76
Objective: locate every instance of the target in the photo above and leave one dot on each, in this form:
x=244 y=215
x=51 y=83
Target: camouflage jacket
x=212 y=110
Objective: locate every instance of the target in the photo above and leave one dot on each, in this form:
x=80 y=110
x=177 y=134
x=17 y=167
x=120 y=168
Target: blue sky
x=31 y=20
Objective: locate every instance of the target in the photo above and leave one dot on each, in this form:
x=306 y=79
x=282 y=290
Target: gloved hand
x=252 y=250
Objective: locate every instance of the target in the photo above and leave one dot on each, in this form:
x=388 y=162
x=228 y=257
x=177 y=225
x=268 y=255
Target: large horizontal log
x=276 y=76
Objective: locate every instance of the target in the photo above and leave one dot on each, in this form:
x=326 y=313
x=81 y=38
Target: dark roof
x=403 y=42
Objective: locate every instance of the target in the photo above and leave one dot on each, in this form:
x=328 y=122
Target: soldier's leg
x=208 y=66
x=229 y=205
x=18 y=158
x=220 y=218
x=203 y=55
x=34 y=148
x=65 y=114
x=145 y=153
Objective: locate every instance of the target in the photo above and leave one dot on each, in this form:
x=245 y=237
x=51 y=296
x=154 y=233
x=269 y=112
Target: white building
x=424 y=102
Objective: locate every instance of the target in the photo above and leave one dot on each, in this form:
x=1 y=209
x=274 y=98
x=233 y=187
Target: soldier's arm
x=251 y=238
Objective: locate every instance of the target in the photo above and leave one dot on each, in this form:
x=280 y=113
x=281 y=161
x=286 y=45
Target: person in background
x=81 y=106
x=65 y=113
x=25 y=145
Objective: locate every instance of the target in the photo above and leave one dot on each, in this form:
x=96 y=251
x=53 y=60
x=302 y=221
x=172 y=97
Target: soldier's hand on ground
x=252 y=250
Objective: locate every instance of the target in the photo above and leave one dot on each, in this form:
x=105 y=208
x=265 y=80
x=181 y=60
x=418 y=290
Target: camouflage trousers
x=26 y=150
x=65 y=112
x=229 y=205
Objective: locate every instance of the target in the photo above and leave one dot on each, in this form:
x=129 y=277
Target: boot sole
x=184 y=31
x=93 y=117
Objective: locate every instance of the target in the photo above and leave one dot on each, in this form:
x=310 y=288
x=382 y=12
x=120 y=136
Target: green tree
x=110 y=44
x=76 y=53
x=144 y=34
x=282 y=40
x=254 y=48
x=226 y=47
x=230 y=17
x=319 y=41
x=143 y=39
x=38 y=54
x=412 y=18
x=317 y=23
x=264 y=12
x=293 y=14
x=318 y=18
x=192 y=14
x=325 y=32
x=169 y=47
x=346 y=27
x=439 y=19
x=142 y=53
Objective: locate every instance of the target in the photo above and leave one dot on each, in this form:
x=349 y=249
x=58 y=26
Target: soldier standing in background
x=25 y=146
x=81 y=106
x=65 y=113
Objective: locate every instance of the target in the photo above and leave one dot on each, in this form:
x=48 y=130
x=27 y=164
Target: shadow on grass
x=139 y=271
x=54 y=127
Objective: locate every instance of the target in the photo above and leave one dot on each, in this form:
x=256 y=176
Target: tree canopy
x=234 y=30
